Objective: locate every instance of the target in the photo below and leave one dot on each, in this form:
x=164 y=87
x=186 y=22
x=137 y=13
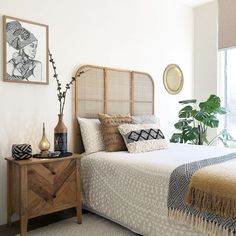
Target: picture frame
x=25 y=51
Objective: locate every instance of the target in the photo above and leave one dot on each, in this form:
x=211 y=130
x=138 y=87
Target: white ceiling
x=194 y=3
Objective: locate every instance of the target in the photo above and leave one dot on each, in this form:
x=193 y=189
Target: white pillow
x=146 y=119
x=91 y=135
x=142 y=137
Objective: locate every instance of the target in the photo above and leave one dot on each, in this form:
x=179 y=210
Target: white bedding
x=132 y=189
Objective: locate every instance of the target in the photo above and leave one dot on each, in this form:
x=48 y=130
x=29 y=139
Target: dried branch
x=61 y=95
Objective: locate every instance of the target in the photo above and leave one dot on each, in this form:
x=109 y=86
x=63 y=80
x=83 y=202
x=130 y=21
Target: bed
x=130 y=189
x=133 y=189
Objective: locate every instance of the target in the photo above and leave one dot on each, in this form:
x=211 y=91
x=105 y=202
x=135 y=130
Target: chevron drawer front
x=55 y=173
x=51 y=186
x=42 y=186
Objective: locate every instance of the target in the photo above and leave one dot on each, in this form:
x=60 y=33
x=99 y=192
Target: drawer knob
x=54 y=196
x=53 y=173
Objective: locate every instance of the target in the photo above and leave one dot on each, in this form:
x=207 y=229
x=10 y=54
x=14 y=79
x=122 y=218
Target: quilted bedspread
x=132 y=189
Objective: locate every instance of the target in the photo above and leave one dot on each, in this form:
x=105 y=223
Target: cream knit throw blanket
x=213 y=189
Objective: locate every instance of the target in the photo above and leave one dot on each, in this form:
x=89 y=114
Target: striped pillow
x=111 y=136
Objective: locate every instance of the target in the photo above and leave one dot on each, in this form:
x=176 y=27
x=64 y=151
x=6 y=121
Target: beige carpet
x=92 y=225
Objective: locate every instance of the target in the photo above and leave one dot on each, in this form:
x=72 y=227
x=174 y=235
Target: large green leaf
x=177 y=138
x=188 y=101
x=221 y=111
x=182 y=123
x=211 y=121
x=201 y=115
x=190 y=133
x=211 y=105
x=186 y=112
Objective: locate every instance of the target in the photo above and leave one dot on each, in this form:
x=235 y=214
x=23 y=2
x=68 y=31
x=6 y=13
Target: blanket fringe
x=209 y=202
x=199 y=223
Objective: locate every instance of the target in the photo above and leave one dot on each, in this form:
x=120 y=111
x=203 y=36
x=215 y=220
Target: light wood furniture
x=111 y=91
x=42 y=186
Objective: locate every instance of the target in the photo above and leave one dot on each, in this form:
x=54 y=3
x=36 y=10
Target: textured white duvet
x=132 y=189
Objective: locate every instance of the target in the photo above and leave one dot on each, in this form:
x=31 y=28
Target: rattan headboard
x=112 y=91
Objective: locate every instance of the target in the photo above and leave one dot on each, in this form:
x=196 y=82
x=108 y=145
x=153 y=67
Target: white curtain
x=227 y=24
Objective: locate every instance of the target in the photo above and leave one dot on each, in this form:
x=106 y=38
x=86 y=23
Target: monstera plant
x=195 y=120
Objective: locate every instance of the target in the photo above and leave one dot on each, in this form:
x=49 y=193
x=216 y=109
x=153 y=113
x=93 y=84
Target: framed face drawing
x=25 y=51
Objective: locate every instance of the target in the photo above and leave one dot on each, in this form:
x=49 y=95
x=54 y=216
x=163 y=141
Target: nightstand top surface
x=33 y=160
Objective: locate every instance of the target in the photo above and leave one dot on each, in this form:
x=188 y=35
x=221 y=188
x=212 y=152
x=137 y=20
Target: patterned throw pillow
x=143 y=137
x=111 y=135
x=91 y=135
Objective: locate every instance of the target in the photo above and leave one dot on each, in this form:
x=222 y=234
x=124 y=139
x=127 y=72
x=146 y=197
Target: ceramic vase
x=60 y=136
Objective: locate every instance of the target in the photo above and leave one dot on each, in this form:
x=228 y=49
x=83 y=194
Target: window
x=227 y=60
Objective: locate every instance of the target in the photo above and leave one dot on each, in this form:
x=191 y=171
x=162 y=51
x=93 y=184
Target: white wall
x=205 y=52
x=143 y=35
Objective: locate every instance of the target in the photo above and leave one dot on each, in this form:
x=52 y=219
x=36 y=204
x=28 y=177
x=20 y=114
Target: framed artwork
x=25 y=51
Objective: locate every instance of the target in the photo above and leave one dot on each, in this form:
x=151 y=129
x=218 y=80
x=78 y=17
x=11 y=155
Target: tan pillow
x=111 y=135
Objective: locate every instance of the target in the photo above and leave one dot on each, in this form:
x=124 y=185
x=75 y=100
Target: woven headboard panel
x=112 y=91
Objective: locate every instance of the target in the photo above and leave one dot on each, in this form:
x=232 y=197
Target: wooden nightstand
x=42 y=186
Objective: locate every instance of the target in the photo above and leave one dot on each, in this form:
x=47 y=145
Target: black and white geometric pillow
x=142 y=137
x=21 y=151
